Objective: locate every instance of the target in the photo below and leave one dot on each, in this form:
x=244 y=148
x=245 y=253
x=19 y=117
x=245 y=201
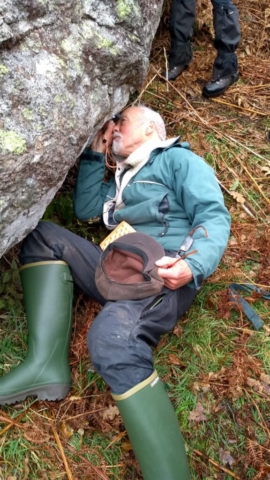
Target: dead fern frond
x=255 y=453
x=264 y=473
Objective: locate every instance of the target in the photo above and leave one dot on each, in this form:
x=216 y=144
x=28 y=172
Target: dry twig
x=15 y=422
x=58 y=441
x=95 y=469
x=217 y=465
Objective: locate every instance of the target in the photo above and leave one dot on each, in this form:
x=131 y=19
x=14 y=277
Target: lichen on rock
x=3 y=70
x=125 y=7
x=10 y=142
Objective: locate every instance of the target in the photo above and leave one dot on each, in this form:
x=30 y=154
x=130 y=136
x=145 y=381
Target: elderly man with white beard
x=170 y=195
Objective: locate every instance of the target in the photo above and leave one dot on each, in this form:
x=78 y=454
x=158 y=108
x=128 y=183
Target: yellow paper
x=122 y=229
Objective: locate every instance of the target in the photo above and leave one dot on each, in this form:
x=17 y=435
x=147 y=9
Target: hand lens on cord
x=116 y=118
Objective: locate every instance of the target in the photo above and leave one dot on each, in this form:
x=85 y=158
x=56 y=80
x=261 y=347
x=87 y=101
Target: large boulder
x=65 y=68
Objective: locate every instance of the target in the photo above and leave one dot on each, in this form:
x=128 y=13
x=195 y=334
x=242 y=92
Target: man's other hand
x=175 y=273
x=103 y=138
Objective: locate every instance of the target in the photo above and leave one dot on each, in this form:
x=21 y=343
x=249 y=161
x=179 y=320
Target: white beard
x=117 y=144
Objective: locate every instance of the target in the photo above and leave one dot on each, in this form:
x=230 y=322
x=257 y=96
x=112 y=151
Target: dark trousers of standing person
x=120 y=342
x=227 y=37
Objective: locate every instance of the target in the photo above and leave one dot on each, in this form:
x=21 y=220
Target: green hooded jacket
x=173 y=193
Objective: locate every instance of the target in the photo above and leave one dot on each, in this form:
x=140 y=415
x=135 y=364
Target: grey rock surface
x=65 y=68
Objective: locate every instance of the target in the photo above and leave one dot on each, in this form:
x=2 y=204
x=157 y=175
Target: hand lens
x=116 y=118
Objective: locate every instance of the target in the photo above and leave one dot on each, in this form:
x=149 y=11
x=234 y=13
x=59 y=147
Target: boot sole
x=45 y=392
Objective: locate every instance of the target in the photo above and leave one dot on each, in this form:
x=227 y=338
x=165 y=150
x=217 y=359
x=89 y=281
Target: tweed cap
x=127 y=270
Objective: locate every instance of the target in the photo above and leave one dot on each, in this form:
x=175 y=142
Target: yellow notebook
x=122 y=229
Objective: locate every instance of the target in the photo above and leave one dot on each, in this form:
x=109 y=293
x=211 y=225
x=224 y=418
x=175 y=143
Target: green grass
x=207 y=344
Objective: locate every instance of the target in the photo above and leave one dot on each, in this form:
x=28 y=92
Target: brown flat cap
x=127 y=270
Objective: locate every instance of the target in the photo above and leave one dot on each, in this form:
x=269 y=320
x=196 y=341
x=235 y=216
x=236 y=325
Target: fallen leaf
x=201 y=387
x=238 y=197
x=266 y=329
x=110 y=413
x=266 y=170
x=174 y=360
x=262 y=387
x=178 y=330
x=225 y=457
x=233 y=241
x=66 y=429
x=162 y=343
x=266 y=388
x=251 y=299
x=126 y=446
x=265 y=378
x=197 y=415
x=236 y=392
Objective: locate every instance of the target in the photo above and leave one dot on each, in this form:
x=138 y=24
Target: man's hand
x=175 y=273
x=103 y=138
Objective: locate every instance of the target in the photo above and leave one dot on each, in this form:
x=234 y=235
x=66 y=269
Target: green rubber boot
x=45 y=372
x=153 y=430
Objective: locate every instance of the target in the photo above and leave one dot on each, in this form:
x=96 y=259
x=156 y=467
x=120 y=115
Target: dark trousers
x=121 y=337
x=227 y=34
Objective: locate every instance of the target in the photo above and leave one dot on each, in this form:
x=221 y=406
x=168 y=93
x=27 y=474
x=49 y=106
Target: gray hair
x=153 y=116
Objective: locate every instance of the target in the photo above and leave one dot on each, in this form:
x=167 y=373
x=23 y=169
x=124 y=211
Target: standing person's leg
x=227 y=37
x=120 y=342
x=47 y=253
x=182 y=17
